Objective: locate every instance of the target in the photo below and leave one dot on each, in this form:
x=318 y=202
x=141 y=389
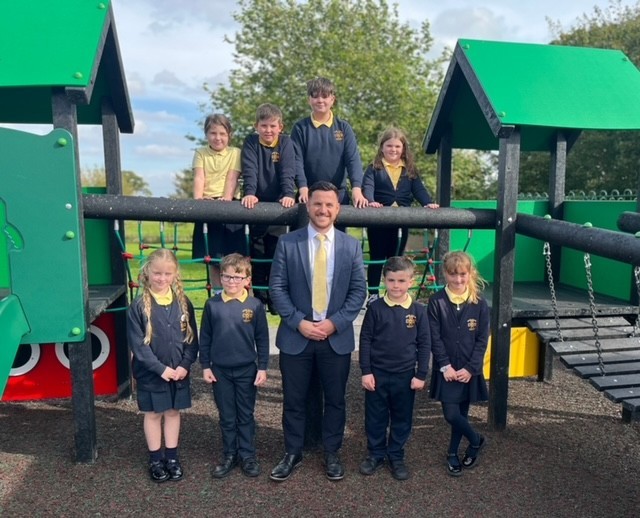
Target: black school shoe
x=453 y=465
x=174 y=469
x=398 y=469
x=157 y=471
x=250 y=467
x=471 y=455
x=370 y=465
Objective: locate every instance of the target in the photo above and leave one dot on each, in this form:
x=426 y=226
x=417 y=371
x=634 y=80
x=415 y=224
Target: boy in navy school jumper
x=234 y=334
x=395 y=343
x=326 y=146
x=391 y=180
x=268 y=172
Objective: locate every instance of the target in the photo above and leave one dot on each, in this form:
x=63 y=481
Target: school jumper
x=268 y=172
x=328 y=153
x=458 y=337
x=383 y=241
x=234 y=336
x=394 y=347
x=167 y=349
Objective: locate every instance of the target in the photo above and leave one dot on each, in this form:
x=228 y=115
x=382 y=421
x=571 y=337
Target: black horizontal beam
x=602 y=242
x=629 y=222
x=109 y=206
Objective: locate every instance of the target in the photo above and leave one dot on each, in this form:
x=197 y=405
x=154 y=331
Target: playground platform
x=533 y=300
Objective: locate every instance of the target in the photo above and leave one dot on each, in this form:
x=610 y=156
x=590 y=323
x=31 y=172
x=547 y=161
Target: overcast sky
x=170 y=49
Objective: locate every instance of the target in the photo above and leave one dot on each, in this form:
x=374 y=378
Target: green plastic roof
x=70 y=44
x=492 y=87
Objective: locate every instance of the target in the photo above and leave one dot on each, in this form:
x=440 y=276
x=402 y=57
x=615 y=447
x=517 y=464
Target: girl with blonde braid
x=162 y=334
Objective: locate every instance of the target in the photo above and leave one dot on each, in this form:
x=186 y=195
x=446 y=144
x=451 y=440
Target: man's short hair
x=323 y=185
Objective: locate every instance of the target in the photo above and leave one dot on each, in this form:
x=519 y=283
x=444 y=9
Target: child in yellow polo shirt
x=216 y=169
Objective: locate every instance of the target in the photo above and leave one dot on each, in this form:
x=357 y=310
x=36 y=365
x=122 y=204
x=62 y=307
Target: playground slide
x=13 y=326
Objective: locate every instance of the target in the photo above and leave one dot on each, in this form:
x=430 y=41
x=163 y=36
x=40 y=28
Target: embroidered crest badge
x=472 y=324
x=275 y=157
x=339 y=135
x=410 y=320
x=247 y=315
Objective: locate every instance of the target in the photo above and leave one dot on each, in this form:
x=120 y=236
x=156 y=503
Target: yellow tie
x=319 y=285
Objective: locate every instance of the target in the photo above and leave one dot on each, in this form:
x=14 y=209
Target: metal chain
x=592 y=307
x=636 y=325
x=552 y=289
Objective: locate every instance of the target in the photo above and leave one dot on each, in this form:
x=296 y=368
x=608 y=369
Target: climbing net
x=169 y=237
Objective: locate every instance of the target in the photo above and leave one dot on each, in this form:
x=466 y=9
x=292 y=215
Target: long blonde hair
x=455 y=261
x=163 y=254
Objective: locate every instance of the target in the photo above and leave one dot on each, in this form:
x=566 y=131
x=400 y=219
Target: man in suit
x=316 y=333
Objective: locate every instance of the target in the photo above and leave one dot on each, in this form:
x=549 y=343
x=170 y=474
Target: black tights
x=456 y=415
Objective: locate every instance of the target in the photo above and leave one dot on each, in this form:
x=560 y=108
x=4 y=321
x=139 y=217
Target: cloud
x=155 y=150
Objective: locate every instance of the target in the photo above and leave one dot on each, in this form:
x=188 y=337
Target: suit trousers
x=333 y=370
x=389 y=406
x=235 y=397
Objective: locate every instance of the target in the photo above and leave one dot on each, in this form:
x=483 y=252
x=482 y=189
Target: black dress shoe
x=471 y=455
x=174 y=468
x=222 y=470
x=453 y=465
x=250 y=467
x=333 y=467
x=398 y=469
x=283 y=469
x=157 y=471
x=370 y=465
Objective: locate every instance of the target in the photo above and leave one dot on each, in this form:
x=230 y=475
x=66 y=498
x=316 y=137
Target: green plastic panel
x=44 y=43
x=610 y=277
x=98 y=249
x=41 y=227
x=13 y=326
x=529 y=261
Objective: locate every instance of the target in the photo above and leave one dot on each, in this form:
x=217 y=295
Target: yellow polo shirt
x=216 y=165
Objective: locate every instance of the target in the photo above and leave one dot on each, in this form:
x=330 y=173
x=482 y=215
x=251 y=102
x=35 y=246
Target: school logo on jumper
x=410 y=320
x=275 y=157
x=339 y=135
x=472 y=324
x=247 y=315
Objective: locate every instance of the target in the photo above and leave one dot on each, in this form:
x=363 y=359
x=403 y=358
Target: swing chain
x=636 y=325
x=592 y=307
x=552 y=289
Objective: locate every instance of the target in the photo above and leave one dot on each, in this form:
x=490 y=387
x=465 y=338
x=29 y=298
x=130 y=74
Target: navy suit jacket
x=290 y=290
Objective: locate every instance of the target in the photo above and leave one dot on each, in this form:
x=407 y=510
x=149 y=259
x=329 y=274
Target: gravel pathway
x=565 y=452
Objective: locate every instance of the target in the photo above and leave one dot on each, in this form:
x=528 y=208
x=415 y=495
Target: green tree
x=600 y=160
x=378 y=64
x=132 y=184
x=183 y=183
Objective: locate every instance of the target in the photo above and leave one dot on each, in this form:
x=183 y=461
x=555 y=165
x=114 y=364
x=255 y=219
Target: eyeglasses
x=232 y=278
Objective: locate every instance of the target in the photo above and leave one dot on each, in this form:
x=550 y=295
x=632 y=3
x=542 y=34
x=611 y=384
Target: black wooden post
x=113 y=173
x=80 y=353
x=504 y=276
x=443 y=195
x=557 y=182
